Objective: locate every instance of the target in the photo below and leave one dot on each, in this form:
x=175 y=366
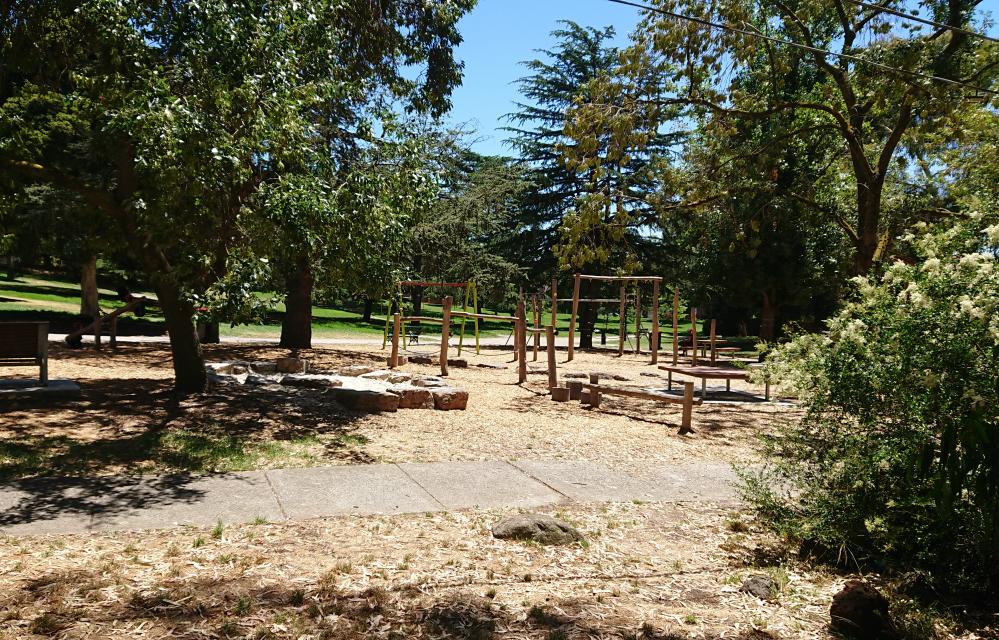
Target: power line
x=805 y=47
x=932 y=23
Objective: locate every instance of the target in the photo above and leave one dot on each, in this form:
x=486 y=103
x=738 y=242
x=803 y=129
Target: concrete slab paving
x=78 y=505
x=26 y=390
x=480 y=485
x=199 y=501
x=359 y=489
x=591 y=482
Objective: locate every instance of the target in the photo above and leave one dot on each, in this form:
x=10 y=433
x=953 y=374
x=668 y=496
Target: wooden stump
x=575 y=389
x=560 y=394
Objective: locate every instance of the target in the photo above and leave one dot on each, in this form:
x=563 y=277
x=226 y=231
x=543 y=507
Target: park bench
x=592 y=392
x=25 y=344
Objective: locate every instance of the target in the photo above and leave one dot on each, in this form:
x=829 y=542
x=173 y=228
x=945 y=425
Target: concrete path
x=79 y=505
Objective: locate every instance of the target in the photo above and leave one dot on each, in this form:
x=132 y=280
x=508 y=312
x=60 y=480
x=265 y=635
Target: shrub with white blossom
x=895 y=460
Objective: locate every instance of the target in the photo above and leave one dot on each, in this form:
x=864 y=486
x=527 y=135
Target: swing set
x=395 y=304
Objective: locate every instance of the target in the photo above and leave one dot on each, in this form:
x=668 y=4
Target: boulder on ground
x=356 y=370
x=260 y=379
x=429 y=381
x=365 y=399
x=311 y=381
x=411 y=397
x=449 y=398
x=536 y=527
x=424 y=360
x=860 y=611
x=291 y=364
x=760 y=586
x=457 y=363
x=386 y=375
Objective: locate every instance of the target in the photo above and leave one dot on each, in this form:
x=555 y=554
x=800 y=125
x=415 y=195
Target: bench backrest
x=23 y=339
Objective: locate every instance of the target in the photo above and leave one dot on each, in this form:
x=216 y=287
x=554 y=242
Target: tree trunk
x=587 y=316
x=89 y=299
x=868 y=223
x=369 y=305
x=188 y=361
x=296 y=327
x=768 y=317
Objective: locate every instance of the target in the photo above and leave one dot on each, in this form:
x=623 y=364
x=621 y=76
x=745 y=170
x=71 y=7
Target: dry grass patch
x=648 y=571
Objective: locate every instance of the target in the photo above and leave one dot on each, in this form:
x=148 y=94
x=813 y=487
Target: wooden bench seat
x=25 y=344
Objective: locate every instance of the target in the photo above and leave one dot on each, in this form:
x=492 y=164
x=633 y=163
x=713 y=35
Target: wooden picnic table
x=712 y=372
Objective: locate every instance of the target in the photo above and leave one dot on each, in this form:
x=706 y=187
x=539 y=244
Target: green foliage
x=897 y=455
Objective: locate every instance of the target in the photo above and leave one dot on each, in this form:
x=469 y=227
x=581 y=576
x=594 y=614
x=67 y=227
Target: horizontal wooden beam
x=622 y=278
x=482 y=316
x=417 y=283
x=634 y=393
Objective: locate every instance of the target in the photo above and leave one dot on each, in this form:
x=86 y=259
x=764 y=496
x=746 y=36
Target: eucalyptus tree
x=167 y=118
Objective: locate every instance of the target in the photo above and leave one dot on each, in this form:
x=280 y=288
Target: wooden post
x=521 y=328
x=622 y=320
x=693 y=336
x=550 y=346
x=554 y=303
x=688 y=408
x=714 y=352
x=114 y=333
x=445 y=334
x=396 y=330
x=98 y=321
x=655 y=321
x=676 y=324
x=638 y=317
x=537 y=325
x=572 y=318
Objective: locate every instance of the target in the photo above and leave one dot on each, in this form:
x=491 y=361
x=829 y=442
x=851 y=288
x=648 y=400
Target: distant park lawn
x=39 y=296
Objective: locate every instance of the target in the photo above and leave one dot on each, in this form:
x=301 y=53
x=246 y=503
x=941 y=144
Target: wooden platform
x=710 y=372
x=592 y=392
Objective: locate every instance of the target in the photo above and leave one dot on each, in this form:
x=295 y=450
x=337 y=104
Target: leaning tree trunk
x=296 y=327
x=768 y=317
x=89 y=298
x=188 y=360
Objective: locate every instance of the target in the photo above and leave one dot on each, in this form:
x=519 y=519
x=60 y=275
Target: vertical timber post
x=714 y=352
x=522 y=343
x=396 y=329
x=572 y=318
x=676 y=325
x=655 y=321
x=622 y=320
x=537 y=324
x=554 y=303
x=638 y=317
x=550 y=346
x=693 y=336
x=688 y=408
x=445 y=334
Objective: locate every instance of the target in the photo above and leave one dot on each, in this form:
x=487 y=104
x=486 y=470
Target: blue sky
x=499 y=34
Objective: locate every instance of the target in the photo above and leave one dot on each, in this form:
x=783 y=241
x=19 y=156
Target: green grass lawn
x=36 y=296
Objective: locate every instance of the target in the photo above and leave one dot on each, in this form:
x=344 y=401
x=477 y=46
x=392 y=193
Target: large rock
x=365 y=399
x=449 y=398
x=537 y=527
x=429 y=381
x=411 y=397
x=761 y=586
x=291 y=365
x=424 y=360
x=260 y=379
x=386 y=375
x=356 y=370
x=860 y=611
x=311 y=381
x=457 y=363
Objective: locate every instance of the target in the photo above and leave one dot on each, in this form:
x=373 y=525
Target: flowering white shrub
x=896 y=457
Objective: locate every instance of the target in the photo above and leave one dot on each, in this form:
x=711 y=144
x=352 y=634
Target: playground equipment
x=519 y=322
x=134 y=305
x=395 y=304
x=622 y=302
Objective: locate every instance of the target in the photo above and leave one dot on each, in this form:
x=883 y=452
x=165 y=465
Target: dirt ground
x=128 y=407
x=646 y=571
